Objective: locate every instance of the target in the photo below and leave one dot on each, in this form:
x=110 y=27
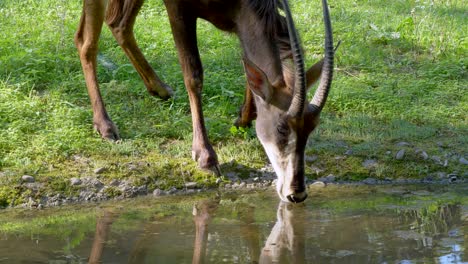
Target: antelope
x=276 y=90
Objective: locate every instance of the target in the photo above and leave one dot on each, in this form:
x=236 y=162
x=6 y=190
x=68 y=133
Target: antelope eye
x=283 y=129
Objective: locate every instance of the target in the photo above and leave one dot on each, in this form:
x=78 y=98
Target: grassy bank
x=400 y=85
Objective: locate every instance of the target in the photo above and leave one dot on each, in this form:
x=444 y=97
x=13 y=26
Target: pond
x=347 y=224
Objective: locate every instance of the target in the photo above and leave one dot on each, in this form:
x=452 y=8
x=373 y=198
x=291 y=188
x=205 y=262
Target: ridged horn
x=321 y=94
x=296 y=108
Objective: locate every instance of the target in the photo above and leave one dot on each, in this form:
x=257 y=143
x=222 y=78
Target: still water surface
x=392 y=224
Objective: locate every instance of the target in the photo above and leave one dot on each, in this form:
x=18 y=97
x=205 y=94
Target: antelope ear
x=313 y=73
x=257 y=80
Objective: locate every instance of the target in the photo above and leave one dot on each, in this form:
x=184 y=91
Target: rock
x=463 y=161
x=317 y=184
x=349 y=152
x=100 y=170
x=403 y=144
x=190 y=185
x=400 y=154
x=428 y=179
x=92 y=183
x=75 y=181
x=27 y=178
x=172 y=190
x=452 y=177
x=311 y=158
x=35 y=186
x=329 y=179
x=369 y=163
x=157 y=192
x=114 y=182
x=142 y=190
x=422 y=154
x=231 y=175
x=436 y=159
x=256 y=179
x=370 y=181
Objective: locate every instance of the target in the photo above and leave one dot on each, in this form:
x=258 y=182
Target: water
x=402 y=224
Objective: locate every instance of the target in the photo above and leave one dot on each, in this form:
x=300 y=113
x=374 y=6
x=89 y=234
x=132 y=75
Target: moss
x=11 y=196
x=112 y=192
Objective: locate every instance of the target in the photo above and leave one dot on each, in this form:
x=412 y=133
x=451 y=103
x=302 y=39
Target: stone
x=75 y=181
x=100 y=170
x=369 y=163
x=422 y=154
x=27 y=178
x=311 y=158
x=190 y=185
x=452 y=177
x=403 y=144
x=349 y=152
x=437 y=159
x=114 y=182
x=172 y=190
x=463 y=161
x=370 y=181
x=142 y=190
x=400 y=154
x=157 y=192
x=330 y=178
x=317 y=184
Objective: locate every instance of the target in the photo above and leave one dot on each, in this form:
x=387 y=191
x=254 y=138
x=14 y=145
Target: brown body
x=272 y=90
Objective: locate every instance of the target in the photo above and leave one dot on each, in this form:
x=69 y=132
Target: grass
x=400 y=77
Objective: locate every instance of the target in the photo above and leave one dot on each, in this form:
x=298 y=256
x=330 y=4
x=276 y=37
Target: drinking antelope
x=276 y=90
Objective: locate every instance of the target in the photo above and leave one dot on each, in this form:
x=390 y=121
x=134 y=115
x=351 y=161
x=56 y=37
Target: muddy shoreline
x=92 y=189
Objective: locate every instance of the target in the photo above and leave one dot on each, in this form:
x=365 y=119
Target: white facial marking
x=282 y=164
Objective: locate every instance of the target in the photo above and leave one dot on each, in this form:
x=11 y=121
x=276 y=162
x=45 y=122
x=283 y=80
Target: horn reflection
x=286 y=241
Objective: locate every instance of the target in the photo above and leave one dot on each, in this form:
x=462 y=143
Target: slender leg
x=86 y=41
x=247 y=112
x=121 y=24
x=184 y=31
x=101 y=235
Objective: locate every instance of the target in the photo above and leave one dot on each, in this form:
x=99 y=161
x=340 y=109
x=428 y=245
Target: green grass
x=400 y=76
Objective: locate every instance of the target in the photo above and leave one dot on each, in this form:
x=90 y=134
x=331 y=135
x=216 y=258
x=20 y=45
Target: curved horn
x=320 y=96
x=299 y=94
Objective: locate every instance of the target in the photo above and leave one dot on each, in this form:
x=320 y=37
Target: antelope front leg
x=86 y=41
x=184 y=31
x=121 y=26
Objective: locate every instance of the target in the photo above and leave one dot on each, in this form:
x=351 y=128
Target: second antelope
x=277 y=81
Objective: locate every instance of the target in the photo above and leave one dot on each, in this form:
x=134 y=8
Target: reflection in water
x=103 y=225
x=286 y=242
x=249 y=230
x=202 y=214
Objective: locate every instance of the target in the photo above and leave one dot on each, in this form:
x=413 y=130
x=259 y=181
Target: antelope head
x=284 y=117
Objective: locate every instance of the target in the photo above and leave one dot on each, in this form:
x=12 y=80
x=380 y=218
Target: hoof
x=242 y=123
x=215 y=170
x=164 y=91
x=108 y=131
x=207 y=160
